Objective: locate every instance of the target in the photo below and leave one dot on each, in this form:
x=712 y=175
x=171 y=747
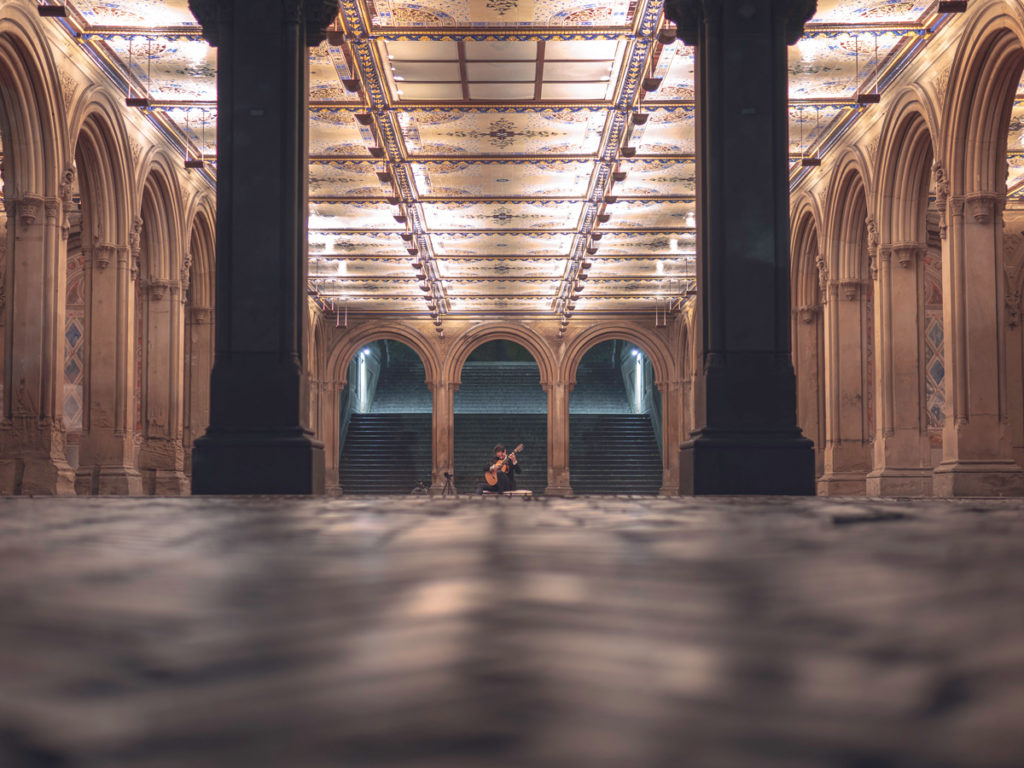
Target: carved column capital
x=808 y=314
x=54 y=207
x=908 y=253
x=201 y=315
x=982 y=206
x=102 y=254
x=850 y=289
x=316 y=13
x=28 y=207
x=956 y=205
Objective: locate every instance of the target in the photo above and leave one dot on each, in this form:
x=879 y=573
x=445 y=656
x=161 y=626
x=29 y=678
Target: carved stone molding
x=123 y=254
x=808 y=314
x=200 y=315
x=135 y=245
x=103 y=254
x=907 y=253
x=186 y=273
x=158 y=289
x=850 y=289
x=941 y=195
x=982 y=206
x=956 y=205
x=53 y=210
x=68 y=87
x=28 y=209
x=942 y=83
x=819 y=262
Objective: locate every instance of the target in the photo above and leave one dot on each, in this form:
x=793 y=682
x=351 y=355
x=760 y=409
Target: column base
x=978 y=478
x=900 y=481
x=842 y=484
x=564 y=491
x=746 y=464
x=257 y=463
x=36 y=477
x=166 y=482
x=108 y=481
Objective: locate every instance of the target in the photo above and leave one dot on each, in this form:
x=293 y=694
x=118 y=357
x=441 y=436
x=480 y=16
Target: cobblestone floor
x=496 y=633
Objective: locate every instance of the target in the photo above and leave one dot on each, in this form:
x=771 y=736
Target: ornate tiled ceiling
x=523 y=156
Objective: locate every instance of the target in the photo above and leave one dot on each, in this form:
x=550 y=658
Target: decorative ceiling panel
x=531 y=156
x=503 y=179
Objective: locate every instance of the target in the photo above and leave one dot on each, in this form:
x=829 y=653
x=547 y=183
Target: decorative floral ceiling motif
x=524 y=156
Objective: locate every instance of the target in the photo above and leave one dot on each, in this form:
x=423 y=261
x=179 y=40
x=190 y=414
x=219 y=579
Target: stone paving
x=412 y=632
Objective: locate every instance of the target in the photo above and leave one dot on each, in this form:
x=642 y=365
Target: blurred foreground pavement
x=603 y=632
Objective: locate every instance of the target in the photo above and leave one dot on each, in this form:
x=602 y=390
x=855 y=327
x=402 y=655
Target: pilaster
x=558 y=438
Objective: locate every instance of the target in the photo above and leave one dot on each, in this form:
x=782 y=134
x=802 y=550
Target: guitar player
x=507 y=466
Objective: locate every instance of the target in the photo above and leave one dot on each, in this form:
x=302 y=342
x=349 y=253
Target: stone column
x=745 y=439
x=847 y=460
x=671 y=434
x=976 y=451
x=259 y=439
x=107 y=447
x=806 y=325
x=161 y=455
x=558 y=438
x=902 y=451
x=32 y=436
x=330 y=399
x=200 y=363
x=443 y=433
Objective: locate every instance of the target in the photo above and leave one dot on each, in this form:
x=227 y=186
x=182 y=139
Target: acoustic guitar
x=491 y=475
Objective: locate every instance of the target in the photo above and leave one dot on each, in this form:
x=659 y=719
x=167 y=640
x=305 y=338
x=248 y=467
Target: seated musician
x=506 y=466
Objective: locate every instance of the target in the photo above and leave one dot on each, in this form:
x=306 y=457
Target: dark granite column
x=745 y=439
x=259 y=440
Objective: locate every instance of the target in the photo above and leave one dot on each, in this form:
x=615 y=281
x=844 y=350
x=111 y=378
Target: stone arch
x=983 y=81
x=104 y=171
x=805 y=249
x=199 y=319
x=906 y=148
x=32 y=113
x=160 y=302
x=644 y=338
x=533 y=342
x=36 y=200
x=343 y=350
x=845 y=219
x=202 y=247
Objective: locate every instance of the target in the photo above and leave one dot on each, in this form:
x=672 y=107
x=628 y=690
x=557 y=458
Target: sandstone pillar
x=200 y=362
x=976 y=451
x=330 y=422
x=745 y=438
x=847 y=460
x=259 y=439
x=806 y=347
x=558 y=438
x=902 y=451
x=443 y=434
x=107 y=448
x=671 y=434
x=32 y=436
x=161 y=454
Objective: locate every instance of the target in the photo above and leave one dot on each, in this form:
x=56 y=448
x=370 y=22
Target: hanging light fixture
x=142 y=102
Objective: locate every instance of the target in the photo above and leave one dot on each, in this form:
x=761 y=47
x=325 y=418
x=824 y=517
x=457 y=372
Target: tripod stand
x=448 y=489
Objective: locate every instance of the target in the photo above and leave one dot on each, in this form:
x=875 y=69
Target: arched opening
x=849 y=341
x=385 y=409
x=809 y=335
x=160 y=345
x=908 y=274
x=197 y=276
x=615 y=422
x=500 y=400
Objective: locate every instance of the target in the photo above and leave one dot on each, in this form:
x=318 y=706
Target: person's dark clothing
x=506 y=480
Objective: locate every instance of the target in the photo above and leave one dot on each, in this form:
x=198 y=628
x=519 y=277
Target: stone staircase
x=613 y=453
x=386 y=453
